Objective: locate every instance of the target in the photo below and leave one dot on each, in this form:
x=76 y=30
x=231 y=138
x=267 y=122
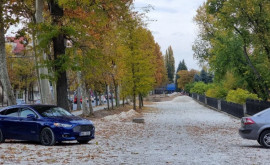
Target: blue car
x=47 y=124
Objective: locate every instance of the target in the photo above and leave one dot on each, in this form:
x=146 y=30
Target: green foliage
x=169 y=63
x=217 y=91
x=227 y=43
x=200 y=88
x=188 y=87
x=181 y=66
x=240 y=96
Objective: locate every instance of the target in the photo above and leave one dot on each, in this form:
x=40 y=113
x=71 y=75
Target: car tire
x=259 y=141
x=265 y=139
x=2 y=139
x=47 y=137
x=83 y=141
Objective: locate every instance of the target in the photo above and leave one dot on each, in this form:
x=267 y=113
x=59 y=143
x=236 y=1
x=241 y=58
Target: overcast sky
x=174 y=26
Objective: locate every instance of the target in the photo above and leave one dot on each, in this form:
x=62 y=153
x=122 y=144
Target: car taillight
x=248 y=121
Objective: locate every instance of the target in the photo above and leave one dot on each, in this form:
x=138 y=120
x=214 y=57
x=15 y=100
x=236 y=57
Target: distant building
x=18 y=45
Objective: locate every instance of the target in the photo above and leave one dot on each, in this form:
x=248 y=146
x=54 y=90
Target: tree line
x=233 y=41
x=81 y=44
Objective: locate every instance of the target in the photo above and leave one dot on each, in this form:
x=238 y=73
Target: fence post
x=205 y=100
x=198 y=97
x=245 y=109
x=219 y=104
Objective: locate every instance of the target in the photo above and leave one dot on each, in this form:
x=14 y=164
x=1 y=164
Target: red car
x=75 y=100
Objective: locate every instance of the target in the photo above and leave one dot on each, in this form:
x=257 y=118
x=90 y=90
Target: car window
x=52 y=111
x=26 y=111
x=12 y=112
x=265 y=112
x=3 y=112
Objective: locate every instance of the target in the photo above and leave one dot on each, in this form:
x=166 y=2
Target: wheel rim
x=46 y=137
x=266 y=139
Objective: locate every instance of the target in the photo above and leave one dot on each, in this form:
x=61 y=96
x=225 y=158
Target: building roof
x=18 y=47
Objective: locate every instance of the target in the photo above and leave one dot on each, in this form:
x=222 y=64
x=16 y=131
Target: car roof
x=27 y=105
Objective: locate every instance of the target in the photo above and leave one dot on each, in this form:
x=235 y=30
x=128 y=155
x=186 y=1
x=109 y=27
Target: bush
x=217 y=91
x=240 y=96
x=188 y=87
x=199 y=88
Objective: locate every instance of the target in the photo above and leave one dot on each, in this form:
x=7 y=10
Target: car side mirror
x=31 y=116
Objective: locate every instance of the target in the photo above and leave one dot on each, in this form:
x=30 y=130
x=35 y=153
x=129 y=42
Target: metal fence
x=194 y=96
x=255 y=106
x=212 y=102
x=236 y=110
x=202 y=98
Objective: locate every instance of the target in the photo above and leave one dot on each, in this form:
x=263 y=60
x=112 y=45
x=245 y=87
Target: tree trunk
x=112 y=99
x=87 y=110
x=96 y=98
x=59 y=50
x=91 y=110
x=100 y=101
x=107 y=93
x=116 y=91
x=258 y=76
x=134 y=101
x=79 y=90
x=139 y=98
x=123 y=102
x=142 y=100
x=4 y=78
x=79 y=96
x=44 y=85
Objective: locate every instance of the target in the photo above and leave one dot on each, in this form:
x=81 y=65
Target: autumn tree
x=181 y=66
x=161 y=76
x=7 y=17
x=186 y=77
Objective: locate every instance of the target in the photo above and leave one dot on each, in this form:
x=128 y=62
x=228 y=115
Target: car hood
x=70 y=119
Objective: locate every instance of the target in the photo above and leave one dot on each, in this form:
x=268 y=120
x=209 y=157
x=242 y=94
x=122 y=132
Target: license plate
x=85 y=133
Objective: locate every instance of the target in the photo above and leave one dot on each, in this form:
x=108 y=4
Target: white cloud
x=174 y=26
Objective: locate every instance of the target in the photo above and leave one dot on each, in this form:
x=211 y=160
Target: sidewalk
x=77 y=113
x=101 y=107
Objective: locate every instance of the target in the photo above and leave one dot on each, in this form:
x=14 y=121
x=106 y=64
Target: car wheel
x=47 y=137
x=83 y=141
x=265 y=139
x=258 y=140
x=2 y=139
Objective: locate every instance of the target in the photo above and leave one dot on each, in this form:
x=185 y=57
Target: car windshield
x=52 y=111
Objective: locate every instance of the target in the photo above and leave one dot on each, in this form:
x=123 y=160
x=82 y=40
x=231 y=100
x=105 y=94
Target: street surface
x=180 y=131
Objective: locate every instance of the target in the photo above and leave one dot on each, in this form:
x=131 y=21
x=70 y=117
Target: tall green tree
x=234 y=38
x=170 y=64
x=181 y=66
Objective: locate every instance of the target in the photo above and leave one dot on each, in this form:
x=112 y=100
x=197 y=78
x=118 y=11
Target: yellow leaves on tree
x=185 y=77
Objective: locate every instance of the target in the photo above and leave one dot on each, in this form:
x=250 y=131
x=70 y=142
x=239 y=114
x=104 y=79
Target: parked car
x=257 y=127
x=75 y=99
x=47 y=124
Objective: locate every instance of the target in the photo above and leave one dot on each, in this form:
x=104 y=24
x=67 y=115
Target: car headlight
x=62 y=125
